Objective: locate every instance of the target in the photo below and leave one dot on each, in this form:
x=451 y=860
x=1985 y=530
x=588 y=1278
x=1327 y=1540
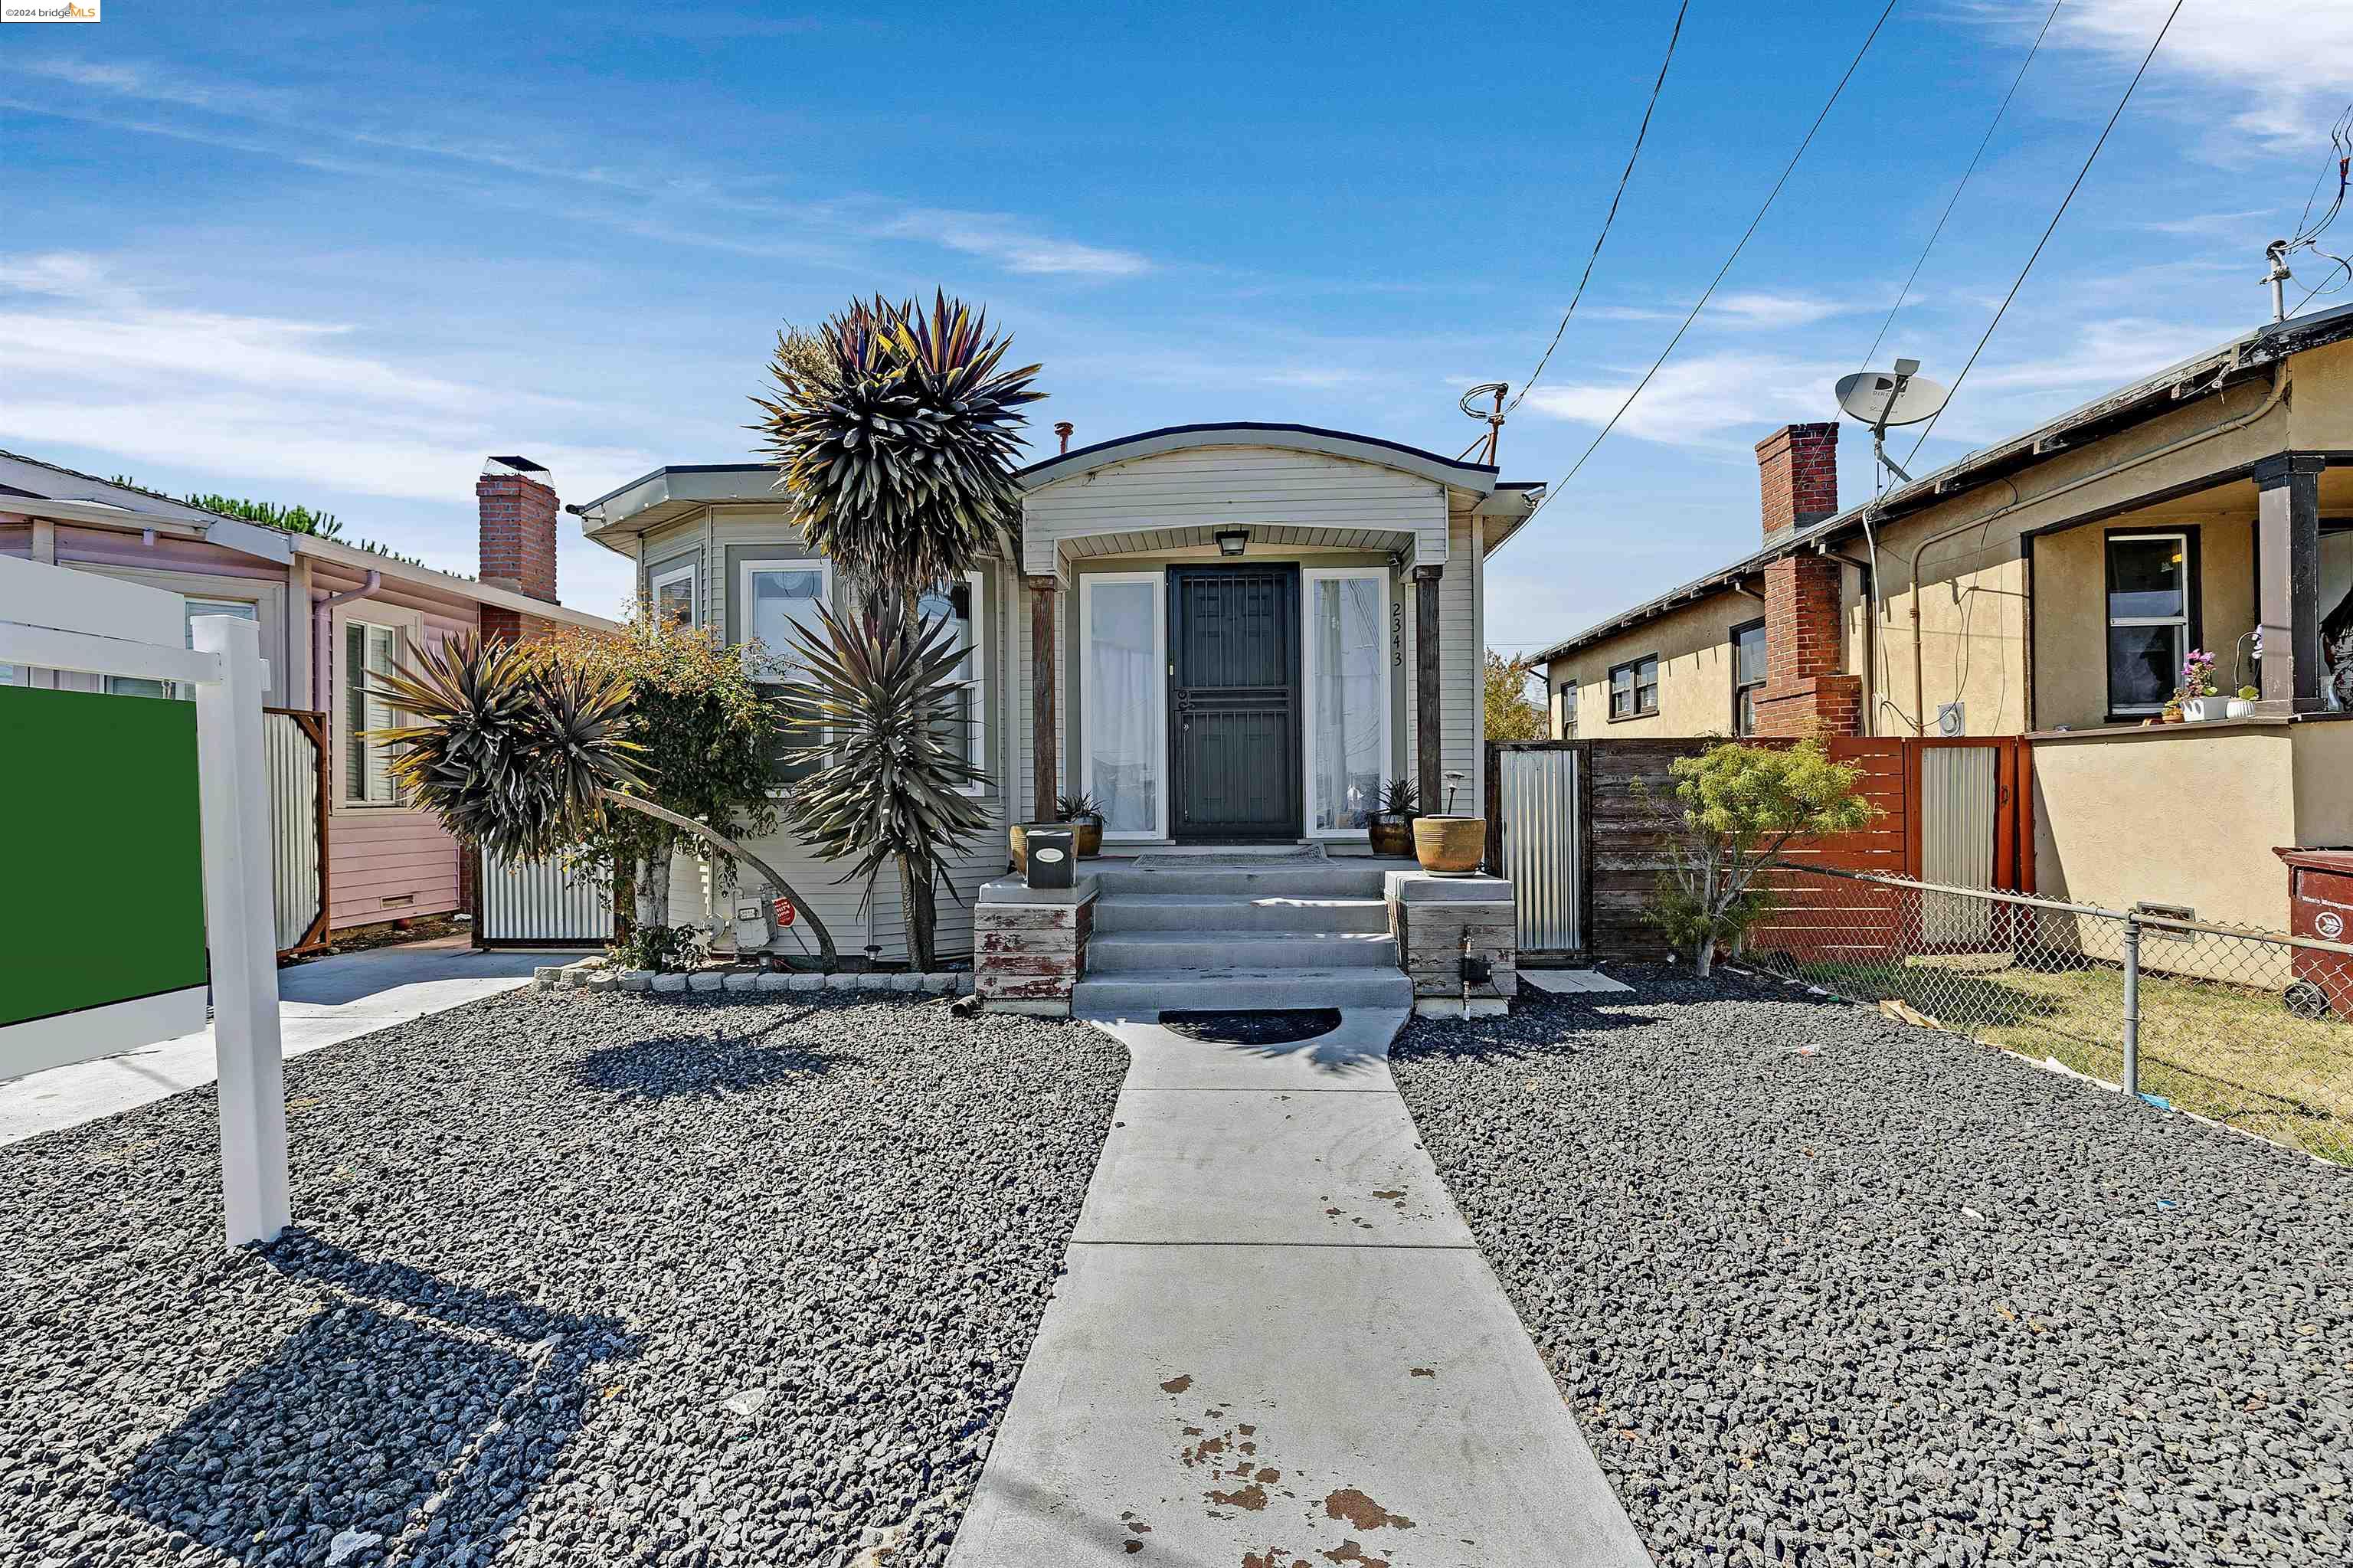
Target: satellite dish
x=1883 y=398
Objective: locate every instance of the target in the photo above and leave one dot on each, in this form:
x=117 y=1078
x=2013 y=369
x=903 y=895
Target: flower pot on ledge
x=2205 y=710
x=1450 y=846
x=1391 y=832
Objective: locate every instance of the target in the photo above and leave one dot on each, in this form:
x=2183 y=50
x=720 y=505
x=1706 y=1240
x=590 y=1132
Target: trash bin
x=1053 y=854
x=2320 y=906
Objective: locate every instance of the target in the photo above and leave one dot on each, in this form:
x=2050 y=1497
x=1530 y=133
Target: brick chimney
x=518 y=512
x=1796 y=471
x=1806 y=691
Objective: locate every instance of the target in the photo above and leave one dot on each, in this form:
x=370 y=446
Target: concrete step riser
x=1150 y=912
x=1146 y=997
x=1330 y=880
x=1108 y=955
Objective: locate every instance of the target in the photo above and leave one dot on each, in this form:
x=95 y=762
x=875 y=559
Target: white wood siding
x=1154 y=500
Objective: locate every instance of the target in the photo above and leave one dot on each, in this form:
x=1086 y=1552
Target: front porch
x=1242 y=633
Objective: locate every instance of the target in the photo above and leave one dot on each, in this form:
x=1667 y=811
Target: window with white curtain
x=369 y=654
x=1124 y=640
x=1348 y=674
x=960 y=602
x=773 y=598
x=138 y=687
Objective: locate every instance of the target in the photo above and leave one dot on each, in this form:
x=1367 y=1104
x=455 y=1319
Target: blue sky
x=336 y=254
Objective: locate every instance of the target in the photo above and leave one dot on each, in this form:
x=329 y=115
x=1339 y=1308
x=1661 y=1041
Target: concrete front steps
x=1228 y=934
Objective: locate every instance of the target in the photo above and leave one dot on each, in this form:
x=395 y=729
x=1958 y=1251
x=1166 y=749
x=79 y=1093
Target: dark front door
x=1233 y=709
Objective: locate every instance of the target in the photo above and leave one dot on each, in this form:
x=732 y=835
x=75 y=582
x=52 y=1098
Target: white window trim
x=406 y=637
x=686 y=573
x=976 y=740
x=1308 y=578
x=1158 y=582
x=743 y=636
x=2189 y=590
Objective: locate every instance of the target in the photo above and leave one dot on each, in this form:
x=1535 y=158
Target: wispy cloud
x=2204 y=222
x=274 y=125
x=1751 y=309
x=2285 y=74
x=97 y=363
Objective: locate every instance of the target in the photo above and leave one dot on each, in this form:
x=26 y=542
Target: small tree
x=697 y=717
x=1511 y=714
x=1742 y=806
x=527 y=750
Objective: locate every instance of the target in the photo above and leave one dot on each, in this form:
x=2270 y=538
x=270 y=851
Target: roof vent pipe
x=1063 y=427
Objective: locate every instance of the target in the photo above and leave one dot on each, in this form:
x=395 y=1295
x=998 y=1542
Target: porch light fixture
x=1230 y=541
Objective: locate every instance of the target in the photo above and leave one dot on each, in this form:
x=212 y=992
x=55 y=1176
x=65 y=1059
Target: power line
x=2053 y=228
x=1624 y=176
x=1745 y=235
x=1905 y=293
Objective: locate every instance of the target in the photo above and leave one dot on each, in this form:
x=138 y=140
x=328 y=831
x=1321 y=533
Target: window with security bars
x=369 y=656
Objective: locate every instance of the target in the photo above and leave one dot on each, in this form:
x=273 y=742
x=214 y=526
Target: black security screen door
x=1233 y=708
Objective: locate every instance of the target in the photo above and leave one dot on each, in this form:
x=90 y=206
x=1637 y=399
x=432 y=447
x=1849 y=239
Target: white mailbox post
x=56 y=618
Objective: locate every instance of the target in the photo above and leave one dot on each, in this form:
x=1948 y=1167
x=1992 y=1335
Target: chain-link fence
x=2250 y=1027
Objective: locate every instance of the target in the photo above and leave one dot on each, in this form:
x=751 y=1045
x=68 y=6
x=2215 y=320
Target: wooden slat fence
x=1621 y=837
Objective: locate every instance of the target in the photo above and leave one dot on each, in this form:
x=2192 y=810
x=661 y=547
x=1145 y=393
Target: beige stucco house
x=2050 y=585
x=1223 y=633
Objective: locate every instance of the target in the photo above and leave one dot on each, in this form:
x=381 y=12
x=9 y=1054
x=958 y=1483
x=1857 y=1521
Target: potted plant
x=1449 y=845
x=2243 y=704
x=2199 y=705
x=1085 y=815
x=1390 y=824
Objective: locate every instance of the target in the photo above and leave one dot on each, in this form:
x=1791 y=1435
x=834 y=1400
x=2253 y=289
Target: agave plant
x=525 y=755
x=897 y=441
x=875 y=712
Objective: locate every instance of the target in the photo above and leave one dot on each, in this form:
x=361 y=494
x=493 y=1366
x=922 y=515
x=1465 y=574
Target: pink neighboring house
x=326 y=609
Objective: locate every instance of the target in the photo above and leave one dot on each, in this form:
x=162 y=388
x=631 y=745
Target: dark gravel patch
x=1906 y=1300
x=582 y=1280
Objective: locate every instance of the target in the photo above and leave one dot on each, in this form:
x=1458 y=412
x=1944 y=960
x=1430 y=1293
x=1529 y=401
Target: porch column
x=2287 y=555
x=1426 y=688
x=1045 y=748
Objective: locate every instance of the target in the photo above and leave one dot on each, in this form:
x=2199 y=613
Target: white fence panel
x=292 y=762
x=536 y=901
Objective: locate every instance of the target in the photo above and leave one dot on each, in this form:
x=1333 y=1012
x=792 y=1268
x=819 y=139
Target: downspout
x=322 y=643
x=1919 y=699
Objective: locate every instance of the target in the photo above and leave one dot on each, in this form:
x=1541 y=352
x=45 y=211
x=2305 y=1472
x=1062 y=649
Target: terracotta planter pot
x=1450 y=846
x=1086 y=834
x=1392 y=832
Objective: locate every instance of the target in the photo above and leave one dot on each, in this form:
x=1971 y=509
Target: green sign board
x=104 y=901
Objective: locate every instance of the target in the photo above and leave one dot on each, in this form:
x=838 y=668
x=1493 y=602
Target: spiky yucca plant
x=524 y=753
x=875 y=711
x=512 y=755
x=897 y=441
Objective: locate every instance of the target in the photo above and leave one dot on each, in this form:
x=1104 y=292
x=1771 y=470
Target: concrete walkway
x=320 y=1004
x=1277 y=1346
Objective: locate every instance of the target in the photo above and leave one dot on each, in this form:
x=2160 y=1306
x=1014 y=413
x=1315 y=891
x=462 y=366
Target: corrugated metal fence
x=1535 y=795
x=534 y=904
x=294 y=750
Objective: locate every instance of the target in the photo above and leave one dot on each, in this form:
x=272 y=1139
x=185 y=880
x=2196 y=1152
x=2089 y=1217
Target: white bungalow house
x=1225 y=634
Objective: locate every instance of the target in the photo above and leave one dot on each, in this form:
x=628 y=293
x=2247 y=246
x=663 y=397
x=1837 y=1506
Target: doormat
x=1272 y=1026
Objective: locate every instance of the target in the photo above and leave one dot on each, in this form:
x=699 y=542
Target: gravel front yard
x=1905 y=1300
x=582 y=1279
